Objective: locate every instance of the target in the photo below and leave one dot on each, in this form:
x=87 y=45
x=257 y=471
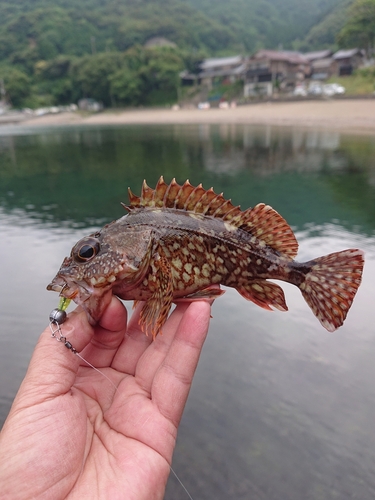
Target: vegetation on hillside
x=359 y=30
x=42 y=29
x=323 y=34
x=267 y=23
x=137 y=76
x=56 y=52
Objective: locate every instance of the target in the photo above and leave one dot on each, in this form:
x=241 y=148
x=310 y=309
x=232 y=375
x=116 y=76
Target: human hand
x=71 y=433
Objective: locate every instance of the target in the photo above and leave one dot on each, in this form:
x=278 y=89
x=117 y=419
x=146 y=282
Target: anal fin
x=264 y=293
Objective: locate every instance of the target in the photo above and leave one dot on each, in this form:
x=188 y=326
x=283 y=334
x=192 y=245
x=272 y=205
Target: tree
x=149 y=76
x=91 y=75
x=359 y=30
x=17 y=86
x=161 y=75
x=126 y=87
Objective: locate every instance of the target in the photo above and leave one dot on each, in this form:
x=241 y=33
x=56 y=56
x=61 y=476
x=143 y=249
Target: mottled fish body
x=180 y=242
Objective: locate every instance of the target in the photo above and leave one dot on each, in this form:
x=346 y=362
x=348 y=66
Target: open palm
x=74 y=433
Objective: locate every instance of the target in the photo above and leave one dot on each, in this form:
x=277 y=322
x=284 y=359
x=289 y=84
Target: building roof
x=238 y=70
x=241 y=69
x=344 y=54
x=322 y=63
x=218 y=62
x=318 y=54
x=281 y=55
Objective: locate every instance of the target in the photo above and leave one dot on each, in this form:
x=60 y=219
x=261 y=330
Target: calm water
x=280 y=408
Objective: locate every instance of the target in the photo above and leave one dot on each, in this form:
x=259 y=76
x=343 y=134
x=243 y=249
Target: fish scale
x=179 y=242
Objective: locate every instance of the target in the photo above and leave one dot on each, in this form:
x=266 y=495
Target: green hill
x=58 y=51
x=322 y=34
x=33 y=30
x=43 y=29
x=267 y=23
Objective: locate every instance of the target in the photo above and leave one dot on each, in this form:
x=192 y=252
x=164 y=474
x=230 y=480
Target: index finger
x=173 y=380
x=108 y=335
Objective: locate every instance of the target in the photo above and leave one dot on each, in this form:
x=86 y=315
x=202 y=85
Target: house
x=326 y=65
x=348 y=60
x=216 y=70
x=269 y=69
x=322 y=69
x=318 y=54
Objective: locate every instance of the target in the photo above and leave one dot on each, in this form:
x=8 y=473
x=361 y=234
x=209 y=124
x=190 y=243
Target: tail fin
x=331 y=284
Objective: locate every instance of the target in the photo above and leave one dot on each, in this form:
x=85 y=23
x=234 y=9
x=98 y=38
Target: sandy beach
x=356 y=115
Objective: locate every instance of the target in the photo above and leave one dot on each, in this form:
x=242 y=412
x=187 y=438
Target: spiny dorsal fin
x=147 y=195
x=262 y=221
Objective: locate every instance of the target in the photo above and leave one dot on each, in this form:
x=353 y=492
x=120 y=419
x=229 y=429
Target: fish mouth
x=54 y=287
x=60 y=286
x=94 y=302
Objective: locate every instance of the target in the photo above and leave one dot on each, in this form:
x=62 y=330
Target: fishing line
x=57 y=317
x=181 y=483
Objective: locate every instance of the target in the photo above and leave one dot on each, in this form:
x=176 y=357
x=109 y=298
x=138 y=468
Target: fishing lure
x=57 y=317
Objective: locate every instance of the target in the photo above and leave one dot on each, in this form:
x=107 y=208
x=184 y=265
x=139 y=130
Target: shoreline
x=354 y=116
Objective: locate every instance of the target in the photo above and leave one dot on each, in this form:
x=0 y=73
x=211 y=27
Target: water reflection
x=279 y=407
x=82 y=174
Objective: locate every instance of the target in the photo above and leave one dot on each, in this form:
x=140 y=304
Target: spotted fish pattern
x=181 y=242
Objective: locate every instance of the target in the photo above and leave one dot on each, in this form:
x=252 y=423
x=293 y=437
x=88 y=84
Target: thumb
x=53 y=367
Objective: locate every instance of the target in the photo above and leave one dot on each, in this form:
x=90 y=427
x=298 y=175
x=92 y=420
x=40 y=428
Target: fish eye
x=85 y=250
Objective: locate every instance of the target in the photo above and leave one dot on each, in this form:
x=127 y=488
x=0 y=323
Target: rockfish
x=183 y=241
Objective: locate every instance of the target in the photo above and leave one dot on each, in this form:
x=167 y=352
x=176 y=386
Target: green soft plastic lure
x=64 y=303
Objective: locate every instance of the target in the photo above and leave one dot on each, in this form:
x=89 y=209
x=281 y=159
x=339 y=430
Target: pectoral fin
x=155 y=311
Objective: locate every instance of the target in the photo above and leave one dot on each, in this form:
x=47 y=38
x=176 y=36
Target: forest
x=56 y=52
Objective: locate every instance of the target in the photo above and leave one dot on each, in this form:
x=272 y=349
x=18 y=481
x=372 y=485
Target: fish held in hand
x=182 y=242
